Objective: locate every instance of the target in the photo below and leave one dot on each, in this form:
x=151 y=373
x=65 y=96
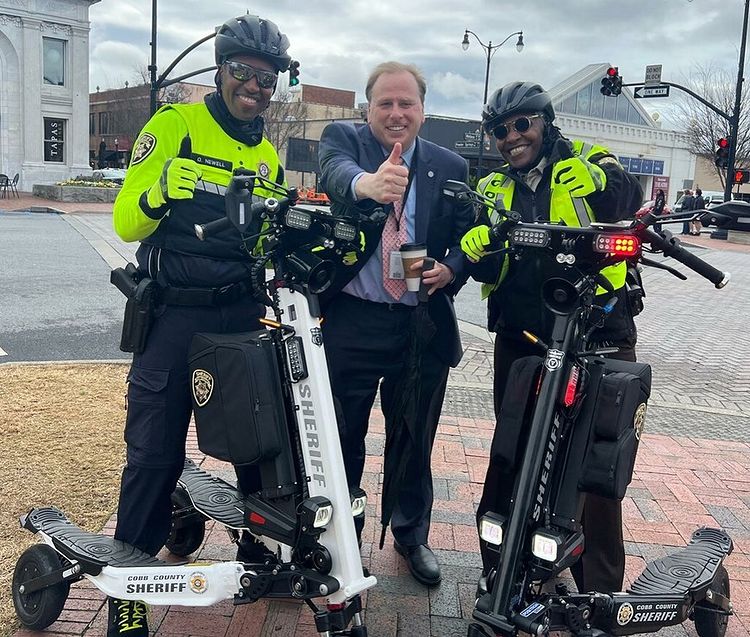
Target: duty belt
x=224 y=295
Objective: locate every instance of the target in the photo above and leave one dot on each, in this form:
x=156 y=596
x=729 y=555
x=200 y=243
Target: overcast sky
x=338 y=42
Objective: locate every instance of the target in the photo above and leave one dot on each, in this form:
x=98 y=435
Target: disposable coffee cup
x=412 y=253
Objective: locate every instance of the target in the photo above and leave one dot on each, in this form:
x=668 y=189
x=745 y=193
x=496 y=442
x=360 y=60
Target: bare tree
x=703 y=126
x=284 y=118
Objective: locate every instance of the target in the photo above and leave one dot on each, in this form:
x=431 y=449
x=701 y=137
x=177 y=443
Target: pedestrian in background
x=698 y=204
x=688 y=204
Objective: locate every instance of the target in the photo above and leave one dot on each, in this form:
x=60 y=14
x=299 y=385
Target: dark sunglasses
x=520 y=125
x=244 y=72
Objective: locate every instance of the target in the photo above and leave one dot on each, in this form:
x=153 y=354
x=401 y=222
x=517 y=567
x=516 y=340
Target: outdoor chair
x=4 y=186
x=14 y=185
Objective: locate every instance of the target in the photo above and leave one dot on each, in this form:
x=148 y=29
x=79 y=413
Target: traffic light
x=721 y=157
x=293 y=73
x=741 y=176
x=611 y=82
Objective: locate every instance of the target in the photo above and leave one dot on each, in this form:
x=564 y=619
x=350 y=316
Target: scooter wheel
x=41 y=608
x=185 y=537
x=709 y=623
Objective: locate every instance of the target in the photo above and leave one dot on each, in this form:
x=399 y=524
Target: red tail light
x=623 y=245
x=571 y=387
x=255 y=518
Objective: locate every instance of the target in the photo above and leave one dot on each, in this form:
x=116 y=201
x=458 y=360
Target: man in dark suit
x=367 y=313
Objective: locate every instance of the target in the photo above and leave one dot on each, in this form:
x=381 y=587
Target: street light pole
x=490 y=51
x=152 y=66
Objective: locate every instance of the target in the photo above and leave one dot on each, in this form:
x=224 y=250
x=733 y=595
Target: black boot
x=127 y=618
x=250 y=551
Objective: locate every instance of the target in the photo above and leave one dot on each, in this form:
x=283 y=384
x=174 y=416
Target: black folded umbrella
x=403 y=436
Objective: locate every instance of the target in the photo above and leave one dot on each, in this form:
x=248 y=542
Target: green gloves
x=474 y=242
x=351 y=257
x=578 y=176
x=177 y=181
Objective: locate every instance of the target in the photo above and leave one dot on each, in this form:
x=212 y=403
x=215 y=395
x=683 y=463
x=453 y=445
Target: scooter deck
x=213 y=497
x=75 y=543
x=689 y=570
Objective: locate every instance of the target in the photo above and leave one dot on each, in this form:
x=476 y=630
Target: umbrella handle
x=427 y=264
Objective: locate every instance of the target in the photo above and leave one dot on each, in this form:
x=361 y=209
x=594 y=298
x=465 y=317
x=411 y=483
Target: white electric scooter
x=303 y=514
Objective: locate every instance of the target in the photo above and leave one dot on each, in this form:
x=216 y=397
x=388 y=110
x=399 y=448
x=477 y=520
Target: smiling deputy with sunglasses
x=547 y=178
x=181 y=164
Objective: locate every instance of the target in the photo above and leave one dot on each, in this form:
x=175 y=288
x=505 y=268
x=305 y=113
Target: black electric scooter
x=282 y=420
x=578 y=443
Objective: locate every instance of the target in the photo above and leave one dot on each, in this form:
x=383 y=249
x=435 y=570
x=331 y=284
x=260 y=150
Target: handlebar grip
x=671 y=248
x=204 y=230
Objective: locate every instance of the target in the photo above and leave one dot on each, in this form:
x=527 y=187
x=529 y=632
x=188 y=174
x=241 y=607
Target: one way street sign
x=651 y=91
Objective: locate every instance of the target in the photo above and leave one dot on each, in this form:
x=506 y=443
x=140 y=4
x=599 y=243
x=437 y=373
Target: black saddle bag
x=617 y=412
x=237 y=396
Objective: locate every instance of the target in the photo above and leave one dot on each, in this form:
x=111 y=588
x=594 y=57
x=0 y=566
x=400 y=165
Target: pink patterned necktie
x=394 y=234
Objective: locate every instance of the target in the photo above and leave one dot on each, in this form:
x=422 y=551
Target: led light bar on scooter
x=538 y=238
x=620 y=245
x=359 y=500
x=491 y=528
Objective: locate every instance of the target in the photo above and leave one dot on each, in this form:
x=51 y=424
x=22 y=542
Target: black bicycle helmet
x=251 y=35
x=516 y=98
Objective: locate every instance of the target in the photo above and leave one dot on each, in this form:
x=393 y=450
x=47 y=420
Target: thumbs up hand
x=388 y=183
x=177 y=179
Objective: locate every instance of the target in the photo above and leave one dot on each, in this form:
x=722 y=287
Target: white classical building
x=44 y=89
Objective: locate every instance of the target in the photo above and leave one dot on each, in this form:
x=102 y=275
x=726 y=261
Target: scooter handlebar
x=671 y=247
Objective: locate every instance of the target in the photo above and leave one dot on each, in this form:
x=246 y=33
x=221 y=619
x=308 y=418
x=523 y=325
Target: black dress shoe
x=422 y=563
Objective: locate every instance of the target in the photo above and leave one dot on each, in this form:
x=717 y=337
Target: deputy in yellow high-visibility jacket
x=547 y=178
x=182 y=163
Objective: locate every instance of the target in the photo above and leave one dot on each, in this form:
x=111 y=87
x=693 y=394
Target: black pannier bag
x=512 y=430
x=616 y=406
x=237 y=396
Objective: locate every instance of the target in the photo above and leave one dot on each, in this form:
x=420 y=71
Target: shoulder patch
x=263 y=169
x=143 y=148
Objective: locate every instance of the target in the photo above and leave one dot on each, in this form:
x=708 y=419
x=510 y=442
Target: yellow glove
x=351 y=257
x=578 y=176
x=474 y=242
x=177 y=181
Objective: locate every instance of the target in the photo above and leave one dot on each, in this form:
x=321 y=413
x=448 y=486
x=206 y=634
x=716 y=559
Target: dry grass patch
x=60 y=444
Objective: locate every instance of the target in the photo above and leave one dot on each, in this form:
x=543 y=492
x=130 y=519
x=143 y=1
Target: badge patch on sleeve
x=263 y=169
x=143 y=147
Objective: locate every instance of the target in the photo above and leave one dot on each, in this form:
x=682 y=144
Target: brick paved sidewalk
x=680 y=484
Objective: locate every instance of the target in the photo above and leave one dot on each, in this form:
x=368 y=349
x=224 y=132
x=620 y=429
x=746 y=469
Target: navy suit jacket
x=345 y=151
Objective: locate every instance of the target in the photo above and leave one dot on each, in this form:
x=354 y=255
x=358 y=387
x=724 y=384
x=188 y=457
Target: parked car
x=647 y=206
x=110 y=174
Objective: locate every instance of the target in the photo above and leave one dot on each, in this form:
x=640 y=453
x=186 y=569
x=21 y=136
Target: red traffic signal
x=741 y=176
x=611 y=82
x=721 y=156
